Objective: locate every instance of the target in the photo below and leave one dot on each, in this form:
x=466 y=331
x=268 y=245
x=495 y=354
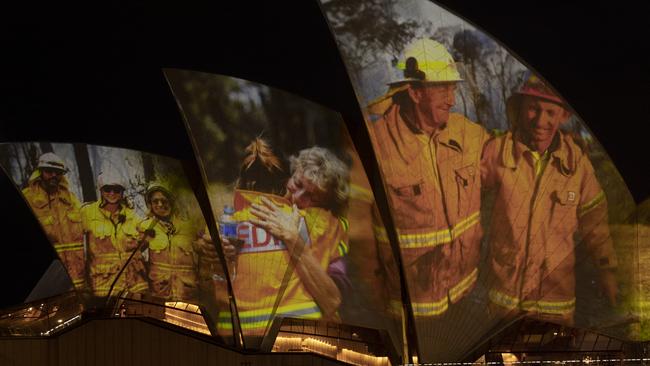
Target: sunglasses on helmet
x=53 y=171
x=112 y=189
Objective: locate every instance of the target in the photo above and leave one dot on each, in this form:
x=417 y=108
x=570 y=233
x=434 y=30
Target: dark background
x=93 y=75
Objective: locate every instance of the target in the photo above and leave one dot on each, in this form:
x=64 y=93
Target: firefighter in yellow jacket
x=172 y=256
x=430 y=161
x=546 y=192
x=57 y=209
x=302 y=231
x=110 y=226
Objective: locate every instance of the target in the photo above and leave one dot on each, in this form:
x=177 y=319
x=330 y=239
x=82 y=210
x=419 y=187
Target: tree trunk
x=88 y=191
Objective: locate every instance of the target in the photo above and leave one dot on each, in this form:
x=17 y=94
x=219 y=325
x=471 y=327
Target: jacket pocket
x=411 y=202
x=465 y=184
x=565 y=211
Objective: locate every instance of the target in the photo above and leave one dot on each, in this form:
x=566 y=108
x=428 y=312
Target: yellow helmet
x=426 y=60
x=157 y=186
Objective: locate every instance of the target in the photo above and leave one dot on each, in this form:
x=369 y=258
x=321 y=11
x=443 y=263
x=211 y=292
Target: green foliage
x=369 y=29
x=225 y=114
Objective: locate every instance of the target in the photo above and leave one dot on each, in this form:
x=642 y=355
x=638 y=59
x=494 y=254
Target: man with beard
x=57 y=209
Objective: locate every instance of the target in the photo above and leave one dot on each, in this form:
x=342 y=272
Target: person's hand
x=282 y=225
x=609 y=285
x=208 y=249
x=229 y=250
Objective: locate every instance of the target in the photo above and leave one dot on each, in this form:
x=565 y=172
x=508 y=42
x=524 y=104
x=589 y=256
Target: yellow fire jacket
x=172 y=259
x=59 y=216
x=434 y=187
x=535 y=217
x=111 y=240
x=263 y=261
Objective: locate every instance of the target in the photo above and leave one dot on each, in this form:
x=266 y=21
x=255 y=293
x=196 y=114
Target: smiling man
x=430 y=159
x=546 y=192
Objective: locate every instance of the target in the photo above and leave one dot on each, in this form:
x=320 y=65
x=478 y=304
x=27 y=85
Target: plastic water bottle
x=227 y=225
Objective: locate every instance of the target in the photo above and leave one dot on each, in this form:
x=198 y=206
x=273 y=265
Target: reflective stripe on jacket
x=433 y=185
x=535 y=217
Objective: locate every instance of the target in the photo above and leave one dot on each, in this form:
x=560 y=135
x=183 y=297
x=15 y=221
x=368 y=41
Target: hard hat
x=157 y=186
x=52 y=161
x=110 y=177
x=534 y=87
x=426 y=60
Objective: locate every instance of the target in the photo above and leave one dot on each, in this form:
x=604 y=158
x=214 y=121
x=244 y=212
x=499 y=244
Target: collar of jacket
x=566 y=153
x=407 y=142
x=43 y=198
x=127 y=212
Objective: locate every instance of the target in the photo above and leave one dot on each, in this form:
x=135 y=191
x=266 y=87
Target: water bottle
x=227 y=225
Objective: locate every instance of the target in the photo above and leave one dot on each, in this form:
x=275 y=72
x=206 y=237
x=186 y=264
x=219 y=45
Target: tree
x=368 y=30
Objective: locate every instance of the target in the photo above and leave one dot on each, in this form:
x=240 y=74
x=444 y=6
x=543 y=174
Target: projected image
x=501 y=197
x=294 y=206
x=124 y=223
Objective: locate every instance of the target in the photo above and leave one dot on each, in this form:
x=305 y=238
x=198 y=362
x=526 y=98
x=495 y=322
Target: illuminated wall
x=125 y=224
x=304 y=240
x=503 y=201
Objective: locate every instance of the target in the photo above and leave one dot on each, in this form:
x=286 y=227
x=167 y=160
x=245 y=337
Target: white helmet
x=110 y=177
x=51 y=161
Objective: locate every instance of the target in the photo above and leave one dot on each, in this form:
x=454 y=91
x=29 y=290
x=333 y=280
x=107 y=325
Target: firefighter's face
x=540 y=119
x=51 y=178
x=160 y=204
x=303 y=192
x=434 y=102
x=112 y=194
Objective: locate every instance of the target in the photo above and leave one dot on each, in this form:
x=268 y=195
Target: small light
x=30 y=309
x=60 y=320
x=554 y=333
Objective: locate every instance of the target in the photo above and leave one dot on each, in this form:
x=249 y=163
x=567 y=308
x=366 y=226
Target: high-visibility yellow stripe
x=503 y=300
x=173 y=267
x=345 y=223
x=438 y=237
x=430 y=308
x=431 y=238
x=105 y=256
x=380 y=233
x=464 y=285
x=593 y=203
x=537 y=306
x=259 y=318
x=78 y=282
x=139 y=287
x=76 y=245
x=343 y=248
x=360 y=193
x=550 y=307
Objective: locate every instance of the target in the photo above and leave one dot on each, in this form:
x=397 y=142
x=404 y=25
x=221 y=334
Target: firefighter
x=170 y=238
x=57 y=209
x=546 y=193
x=430 y=158
x=110 y=226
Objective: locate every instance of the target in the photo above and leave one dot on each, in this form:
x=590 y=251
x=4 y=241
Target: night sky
x=93 y=75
